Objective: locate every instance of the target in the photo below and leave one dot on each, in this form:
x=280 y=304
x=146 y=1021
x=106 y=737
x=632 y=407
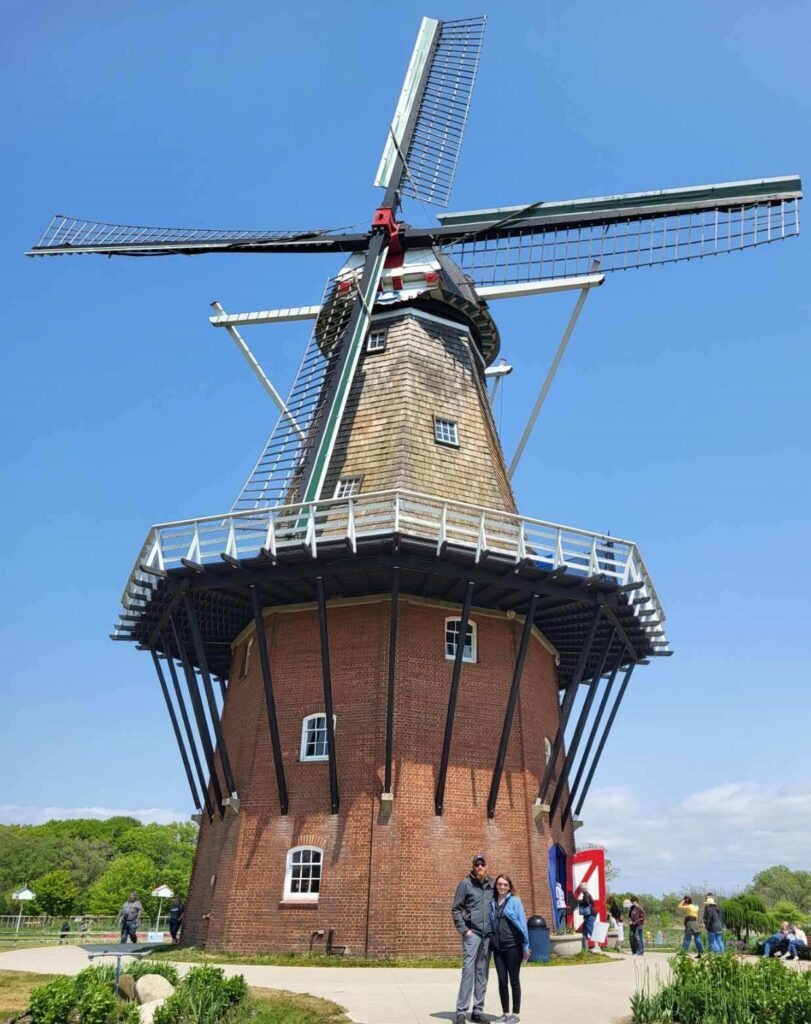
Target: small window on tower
x=452 y=639
x=377 y=341
x=547 y=749
x=347 y=486
x=446 y=432
x=246 y=658
x=314 y=746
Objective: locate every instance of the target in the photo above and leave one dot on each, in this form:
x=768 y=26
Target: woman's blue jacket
x=514 y=912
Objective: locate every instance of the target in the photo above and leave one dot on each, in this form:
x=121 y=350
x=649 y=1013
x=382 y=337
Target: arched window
x=314 y=737
x=452 y=639
x=547 y=749
x=302 y=875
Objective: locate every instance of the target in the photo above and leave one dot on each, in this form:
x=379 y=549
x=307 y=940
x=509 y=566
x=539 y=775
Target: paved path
x=597 y=993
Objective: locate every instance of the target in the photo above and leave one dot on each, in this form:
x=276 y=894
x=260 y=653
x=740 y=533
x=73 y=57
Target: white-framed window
x=452 y=639
x=302 y=875
x=377 y=340
x=547 y=749
x=446 y=431
x=347 y=486
x=246 y=658
x=314 y=737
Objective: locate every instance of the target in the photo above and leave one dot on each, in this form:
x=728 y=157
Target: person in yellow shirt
x=691 y=925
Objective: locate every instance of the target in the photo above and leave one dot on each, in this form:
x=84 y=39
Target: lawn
x=194 y=955
x=266 y=1006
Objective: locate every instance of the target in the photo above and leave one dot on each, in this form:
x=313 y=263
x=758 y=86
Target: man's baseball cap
x=479 y=859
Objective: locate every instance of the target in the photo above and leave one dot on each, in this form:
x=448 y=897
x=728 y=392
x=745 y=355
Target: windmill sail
x=73 y=235
x=552 y=240
x=430 y=118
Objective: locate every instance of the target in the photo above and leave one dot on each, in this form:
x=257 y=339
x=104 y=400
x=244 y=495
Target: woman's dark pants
x=508 y=964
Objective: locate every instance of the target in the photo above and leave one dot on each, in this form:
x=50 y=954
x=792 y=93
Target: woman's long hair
x=509 y=882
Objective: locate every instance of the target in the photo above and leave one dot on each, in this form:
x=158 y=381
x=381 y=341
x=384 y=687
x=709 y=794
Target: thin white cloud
x=725 y=834
x=21 y=814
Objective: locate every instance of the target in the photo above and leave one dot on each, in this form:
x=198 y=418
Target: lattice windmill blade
x=425 y=136
x=561 y=239
x=73 y=235
x=295 y=459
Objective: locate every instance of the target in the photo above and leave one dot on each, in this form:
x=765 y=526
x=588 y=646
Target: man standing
x=714 y=923
x=471 y=917
x=636 y=921
x=130 y=915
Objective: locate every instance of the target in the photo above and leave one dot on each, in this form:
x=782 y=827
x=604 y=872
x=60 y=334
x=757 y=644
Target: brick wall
x=388 y=879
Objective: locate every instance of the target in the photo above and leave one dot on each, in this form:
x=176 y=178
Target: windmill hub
x=323 y=647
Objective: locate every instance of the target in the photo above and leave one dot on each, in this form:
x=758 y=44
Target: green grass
x=15 y=990
x=194 y=955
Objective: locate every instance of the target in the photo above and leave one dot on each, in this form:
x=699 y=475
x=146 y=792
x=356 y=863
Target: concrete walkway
x=597 y=993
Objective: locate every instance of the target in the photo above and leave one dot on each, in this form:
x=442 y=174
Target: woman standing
x=691 y=926
x=509 y=941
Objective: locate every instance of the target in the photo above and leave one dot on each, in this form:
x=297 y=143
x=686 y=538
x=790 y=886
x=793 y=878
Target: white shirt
x=560 y=896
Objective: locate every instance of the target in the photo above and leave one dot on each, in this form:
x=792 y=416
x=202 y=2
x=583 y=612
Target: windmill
x=377 y=506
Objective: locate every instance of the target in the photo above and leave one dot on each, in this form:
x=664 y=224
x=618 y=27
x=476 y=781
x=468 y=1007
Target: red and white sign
x=588 y=867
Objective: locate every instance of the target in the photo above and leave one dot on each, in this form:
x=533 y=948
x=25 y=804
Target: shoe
x=460 y=1019
x=790 y=957
x=505 y=1018
x=778 y=955
x=476 y=1017
x=514 y=1018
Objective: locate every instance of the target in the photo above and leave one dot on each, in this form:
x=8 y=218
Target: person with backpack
x=636 y=925
x=714 y=923
x=509 y=941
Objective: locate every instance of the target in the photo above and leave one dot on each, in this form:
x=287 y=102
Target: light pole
x=22 y=896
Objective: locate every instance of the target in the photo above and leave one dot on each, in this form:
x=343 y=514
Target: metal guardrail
x=482 y=531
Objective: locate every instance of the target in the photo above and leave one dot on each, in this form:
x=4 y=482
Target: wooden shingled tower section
x=374 y=665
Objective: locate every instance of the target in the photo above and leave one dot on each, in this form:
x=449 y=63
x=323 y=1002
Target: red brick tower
x=397 y=650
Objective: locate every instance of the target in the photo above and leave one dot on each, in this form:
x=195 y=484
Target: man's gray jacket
x=471 y=905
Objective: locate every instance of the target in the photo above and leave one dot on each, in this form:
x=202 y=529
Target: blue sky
x=679 y=417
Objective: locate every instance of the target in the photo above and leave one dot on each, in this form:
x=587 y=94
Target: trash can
x=538 y=939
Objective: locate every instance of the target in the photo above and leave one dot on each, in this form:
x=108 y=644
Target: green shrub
x=141 y=967
x=203 y=996
x=98 y=1005
x=723 y=990
x=53 y=1003
x=92 y=977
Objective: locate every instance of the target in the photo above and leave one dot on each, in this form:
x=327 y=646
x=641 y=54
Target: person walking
x=615 y=920
x=691 y=926
x=471 y=917
x=176 y=911
x=636 y=927
x=510 y=944
x=129 y=916
x=585 y=907
x=713 y=918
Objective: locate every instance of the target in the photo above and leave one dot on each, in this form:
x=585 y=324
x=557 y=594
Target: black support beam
x=512 y=700
x=395 y=603
x=439 y=797
x=199 y=714
x=574 y=746
x=213 y=711
x=590 y=741
x=181 y=703
x=568 y=701
x=601 y=745
x=327 y=678
x=270 y=702
x=176 y=728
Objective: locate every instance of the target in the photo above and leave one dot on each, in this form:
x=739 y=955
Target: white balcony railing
x=437 y=520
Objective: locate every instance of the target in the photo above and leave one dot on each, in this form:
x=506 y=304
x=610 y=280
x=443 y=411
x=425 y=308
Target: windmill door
x=588 y=866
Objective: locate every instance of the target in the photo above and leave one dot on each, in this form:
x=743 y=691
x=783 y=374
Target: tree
x=132 y=871
x=747 y=913
x=57 y=894
x=781 y=883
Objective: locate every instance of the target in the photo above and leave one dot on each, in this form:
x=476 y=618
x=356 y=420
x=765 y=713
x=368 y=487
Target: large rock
x=126 y=987
x=153 y=986
x=146 y=1011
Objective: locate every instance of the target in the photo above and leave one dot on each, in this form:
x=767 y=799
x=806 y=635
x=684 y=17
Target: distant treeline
x=89 y=866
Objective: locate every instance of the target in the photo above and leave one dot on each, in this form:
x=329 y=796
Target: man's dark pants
x=129 y=930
